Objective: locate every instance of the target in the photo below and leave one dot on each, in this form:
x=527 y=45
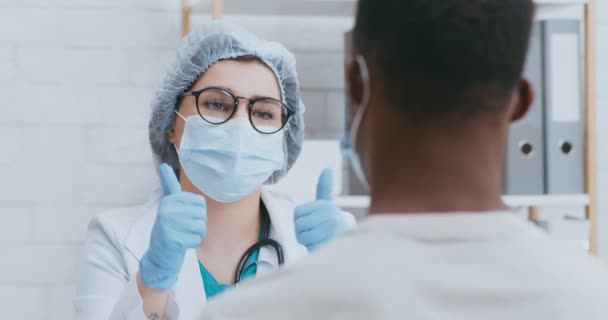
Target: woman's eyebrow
x=227 y=89
x=253 y=97
x=218 y=87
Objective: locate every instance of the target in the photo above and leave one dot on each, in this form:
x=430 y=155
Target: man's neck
x=439 y=171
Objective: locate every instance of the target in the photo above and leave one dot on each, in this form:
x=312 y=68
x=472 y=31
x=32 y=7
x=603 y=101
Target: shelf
x=512 y=201
x=316 y=8
x=560 y=2
x=547 y=200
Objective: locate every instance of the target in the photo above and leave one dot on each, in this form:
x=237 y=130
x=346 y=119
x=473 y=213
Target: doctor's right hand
x=181 y=224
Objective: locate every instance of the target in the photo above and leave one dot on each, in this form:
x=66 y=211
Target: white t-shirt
x=430 y=266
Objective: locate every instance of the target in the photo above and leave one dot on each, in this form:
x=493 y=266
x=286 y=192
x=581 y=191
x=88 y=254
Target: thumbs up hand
x=319 y=221
x=181 y=224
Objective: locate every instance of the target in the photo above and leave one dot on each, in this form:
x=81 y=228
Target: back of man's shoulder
x=578 y=279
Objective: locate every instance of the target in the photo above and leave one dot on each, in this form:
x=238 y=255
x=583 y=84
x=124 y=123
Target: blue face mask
x=227 y=162
x=349 y=138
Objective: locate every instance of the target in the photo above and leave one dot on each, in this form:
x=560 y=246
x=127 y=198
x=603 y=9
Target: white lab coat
x=117 y=239
x=454 y=266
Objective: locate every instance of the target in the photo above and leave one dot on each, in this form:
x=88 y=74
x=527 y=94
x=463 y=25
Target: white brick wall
x=76 y=78
x=38 y=264
x=147 y=67
x=73 y=66
x=7 y=67
x=16 y=226
x=25 y=302
x=123 y=107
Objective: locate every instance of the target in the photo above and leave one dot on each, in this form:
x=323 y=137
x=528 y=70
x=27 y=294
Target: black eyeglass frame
x=236 y=99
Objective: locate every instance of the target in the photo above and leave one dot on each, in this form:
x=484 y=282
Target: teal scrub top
x=213 y=287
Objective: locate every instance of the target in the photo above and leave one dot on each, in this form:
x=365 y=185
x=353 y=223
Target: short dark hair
x=445 y=56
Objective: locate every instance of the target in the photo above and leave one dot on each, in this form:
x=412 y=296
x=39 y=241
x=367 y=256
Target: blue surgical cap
x=200 y=49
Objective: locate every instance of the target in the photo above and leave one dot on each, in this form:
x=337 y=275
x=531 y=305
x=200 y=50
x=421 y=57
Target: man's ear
x=354 y=85
x=522 y=100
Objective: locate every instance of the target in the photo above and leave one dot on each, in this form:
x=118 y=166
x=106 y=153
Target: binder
x=524 y=172
x=564 y=125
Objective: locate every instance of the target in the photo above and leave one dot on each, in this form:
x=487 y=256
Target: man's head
x=438 y=67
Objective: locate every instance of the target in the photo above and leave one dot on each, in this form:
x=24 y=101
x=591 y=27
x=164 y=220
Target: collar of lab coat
x=188 y=291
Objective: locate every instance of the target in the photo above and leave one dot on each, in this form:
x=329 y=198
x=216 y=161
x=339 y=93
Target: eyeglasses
x=217 y=106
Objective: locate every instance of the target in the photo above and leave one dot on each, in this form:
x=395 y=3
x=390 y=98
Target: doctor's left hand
x=319 y=221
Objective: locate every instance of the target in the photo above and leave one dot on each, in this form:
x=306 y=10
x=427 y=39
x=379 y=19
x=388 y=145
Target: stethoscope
x=266 y=241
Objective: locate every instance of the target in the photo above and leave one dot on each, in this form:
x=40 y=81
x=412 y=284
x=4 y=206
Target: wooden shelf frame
x=590 y=135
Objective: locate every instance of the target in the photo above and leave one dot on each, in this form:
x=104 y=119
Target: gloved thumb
x=325 y=185
x=168 y=180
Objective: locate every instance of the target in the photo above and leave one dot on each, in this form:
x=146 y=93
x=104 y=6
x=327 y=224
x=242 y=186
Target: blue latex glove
x=181 y=223
x=319 y=221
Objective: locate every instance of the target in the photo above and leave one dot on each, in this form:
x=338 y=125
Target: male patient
x=434 y=86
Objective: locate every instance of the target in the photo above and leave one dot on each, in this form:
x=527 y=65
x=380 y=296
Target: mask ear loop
x=172 y=129
x=358 y=119
x=365 y=77
x=180 y=115
x=364 y=100
x=196 y=121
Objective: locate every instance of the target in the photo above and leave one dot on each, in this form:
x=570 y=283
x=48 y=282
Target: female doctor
x=226 y=119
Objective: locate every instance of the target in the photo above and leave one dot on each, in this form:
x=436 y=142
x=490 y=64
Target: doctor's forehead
x=245 y=76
